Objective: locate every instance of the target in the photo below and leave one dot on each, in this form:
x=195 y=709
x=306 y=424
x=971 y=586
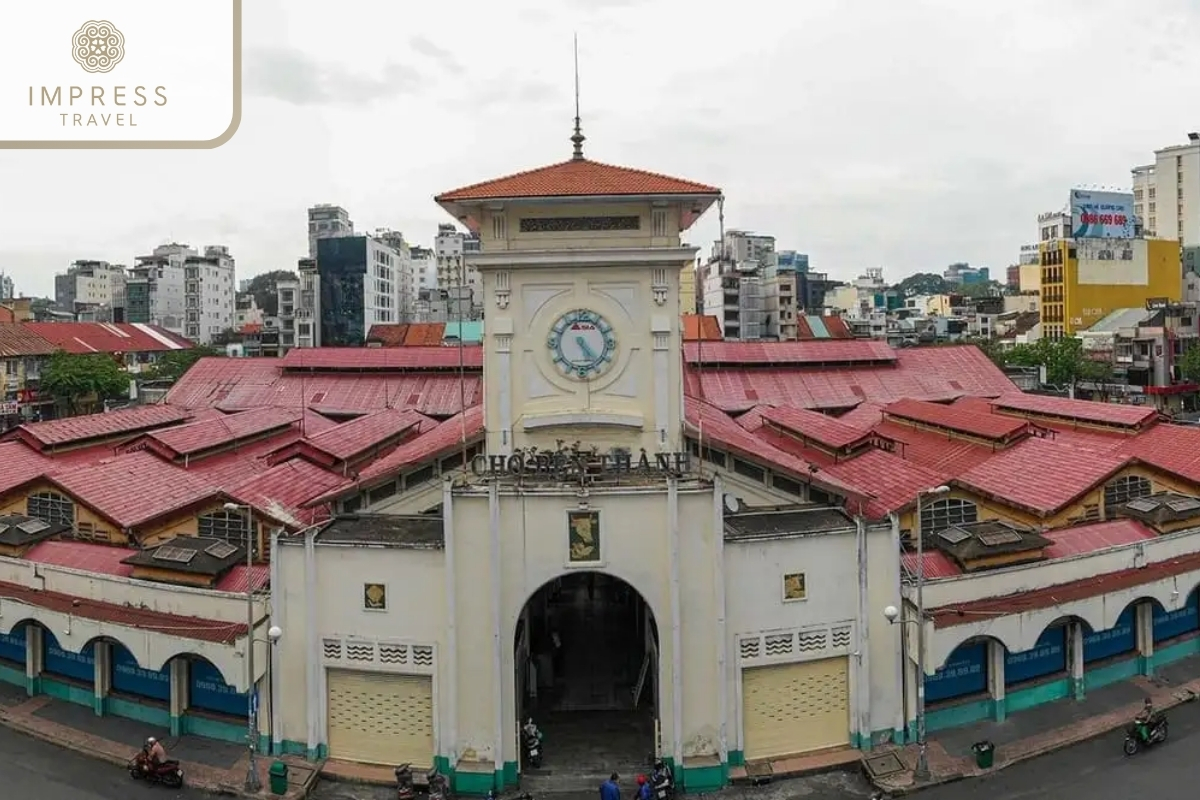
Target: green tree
x=977 y=290
x=1189 y=364
x=921 y=283
x=171 y=365
x=83 y=380
x=1064 y=360
x=264 y=289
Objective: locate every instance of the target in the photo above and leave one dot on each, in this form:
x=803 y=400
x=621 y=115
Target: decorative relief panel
x=534 y=297
x=625 y=295
x=796 y=644
x=658 y=284
x=536 y=385
x=658 y=222
x=504 y=343
x=378 y=655
x=503 y=288
x=579 y=224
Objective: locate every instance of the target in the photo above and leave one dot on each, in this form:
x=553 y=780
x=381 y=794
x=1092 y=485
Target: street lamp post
x=893 y=616
x=253 y=784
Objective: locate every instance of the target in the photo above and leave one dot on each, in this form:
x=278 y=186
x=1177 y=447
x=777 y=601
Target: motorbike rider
x=610 y=789
x=154 y=752
x=662 y=777
x=1145 y=717
x=531 y=731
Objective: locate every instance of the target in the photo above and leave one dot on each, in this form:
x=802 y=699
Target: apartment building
x=327 y=221
x=452 y=249
x=424 y=268
x=154 y=288
x=92 y=291
x=736 y=283
x=308 y=308
x=8 y=289
x=1166 y=193
x=210 y=281
x=288 y=297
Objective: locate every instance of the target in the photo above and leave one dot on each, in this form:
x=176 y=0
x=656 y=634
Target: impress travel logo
x=134 y=74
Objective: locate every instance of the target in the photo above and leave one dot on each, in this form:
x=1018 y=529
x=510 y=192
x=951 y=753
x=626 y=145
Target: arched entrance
x=586 y=662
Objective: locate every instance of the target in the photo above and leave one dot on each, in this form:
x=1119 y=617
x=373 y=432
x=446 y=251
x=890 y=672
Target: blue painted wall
x=57 y=661
x=1120 y=638
x=1046 y=657
x=128 y=677
x=1169 y=624
x=209 y=691
x=12 y=645
x=964 y=673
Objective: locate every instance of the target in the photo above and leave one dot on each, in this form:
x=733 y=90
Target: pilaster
x=1144 y=621
x=1075 y=660
x=34 y=652
x=996 y=679
x=180 y=680
x=102 y=675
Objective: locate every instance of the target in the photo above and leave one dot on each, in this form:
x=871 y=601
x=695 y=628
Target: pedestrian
x=645 y=791
x=610 y=790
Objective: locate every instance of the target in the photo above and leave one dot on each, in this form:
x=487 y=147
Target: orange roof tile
x=701 y=326
x=577 y=178
x=389 y=335
x=425 y=334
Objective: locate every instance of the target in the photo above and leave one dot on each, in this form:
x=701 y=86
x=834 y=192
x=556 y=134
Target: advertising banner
x=78 y=666
x=12 y=645
x=130 y=678
x=1118 y=639
x=964 y=673
x=1169 y=624
x=1101 y=215
x=210 y=692
x=1046 y=657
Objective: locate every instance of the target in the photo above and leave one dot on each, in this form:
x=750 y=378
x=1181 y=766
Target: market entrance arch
x=586 y=668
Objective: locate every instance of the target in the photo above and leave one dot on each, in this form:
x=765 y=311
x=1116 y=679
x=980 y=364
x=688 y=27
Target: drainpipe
x=719 y=583
x=676 y=627
x=497 y=643
x=449 y=747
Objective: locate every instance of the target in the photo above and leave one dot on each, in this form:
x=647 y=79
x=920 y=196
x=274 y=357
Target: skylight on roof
x=32 y=526
x=1144 y=506
x=177 y=555
x=3 y=527
x=221 y=550
x=1184 y=504
x=1000 y=537
x=954 y=535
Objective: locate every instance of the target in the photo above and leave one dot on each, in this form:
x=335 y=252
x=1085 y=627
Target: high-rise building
x=327 y=221
x=362 y=281
x=424 y=267
x=1166 y=194
x=308 y=307
x=94 y=291
x=733 y=286
x=185 y=291
x=452 y=248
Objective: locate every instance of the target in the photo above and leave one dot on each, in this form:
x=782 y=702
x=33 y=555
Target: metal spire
x=577 y=138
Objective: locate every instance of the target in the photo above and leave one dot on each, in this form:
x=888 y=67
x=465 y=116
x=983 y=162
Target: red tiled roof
x=1038 y=475
x=1080 y=410
x=815 y=427
x=937 y=564
x=205 y=630
x=7 y=315
x=235 y=467
x=863 y=416
x=580 y=178
x=283 y=490
x=344 y=442
x=108 y=337
x=1174 y=448
x=425 y=334
x=445 y=438
x=812 y=353
x=922 y=373
x=126 y=421
x=17 y=340
x=351 y=359
x=935 y=451
x=981 y=405
x=1081 y=539
x=753 y=420
x=809 y=327
x=388 y=335
x=892 y=481
x=101 y=559
x=973 y=423
x=196 y=437
x=701 y=326
x=242 y=579
x=1025 y=601
x=722 y=433
x=20 y=464
x=248 y=383
x=134 y=488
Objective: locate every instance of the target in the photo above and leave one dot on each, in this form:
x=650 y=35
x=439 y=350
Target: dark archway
x=586 y=668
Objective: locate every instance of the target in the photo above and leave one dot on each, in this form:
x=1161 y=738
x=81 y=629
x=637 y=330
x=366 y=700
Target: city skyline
x=887 y=157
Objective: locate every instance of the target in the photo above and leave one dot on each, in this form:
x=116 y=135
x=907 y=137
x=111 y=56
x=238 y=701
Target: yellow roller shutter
x=378 y=718
x=795 y=708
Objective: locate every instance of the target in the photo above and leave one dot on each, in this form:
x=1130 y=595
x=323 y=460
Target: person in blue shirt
x=609 y=790
x=645 y=790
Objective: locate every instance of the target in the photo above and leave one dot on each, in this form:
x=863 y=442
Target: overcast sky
x=866 y=133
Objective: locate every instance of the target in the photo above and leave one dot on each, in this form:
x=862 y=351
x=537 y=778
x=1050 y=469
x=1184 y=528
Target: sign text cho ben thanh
x=577 y=465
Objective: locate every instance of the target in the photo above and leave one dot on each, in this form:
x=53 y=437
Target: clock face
x=582 y=344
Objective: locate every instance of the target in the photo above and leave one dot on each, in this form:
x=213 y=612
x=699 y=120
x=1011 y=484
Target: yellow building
x=1084 y=280
x=687 y=290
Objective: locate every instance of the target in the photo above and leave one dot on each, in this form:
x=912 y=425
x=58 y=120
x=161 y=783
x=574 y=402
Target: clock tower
x=580 y=264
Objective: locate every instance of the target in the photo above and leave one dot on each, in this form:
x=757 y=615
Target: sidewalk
x=1033 y=732
x=208 y=765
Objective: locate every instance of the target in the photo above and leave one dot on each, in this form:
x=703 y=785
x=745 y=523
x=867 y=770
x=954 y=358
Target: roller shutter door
x=377 y=718
x=795 y=708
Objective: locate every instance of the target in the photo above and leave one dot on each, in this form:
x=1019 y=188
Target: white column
x=660 y=325
x=101 y=674
x=180 y=672
x=1144 y=625
x=722 y=644
x=278 y=619
x=33 y=657
x=995 y=655
x=448 y=690
x=862 y=700
x=312 y=669
x=676 y=625
x=497 y=639
x=1075 y=662
x=503 y=332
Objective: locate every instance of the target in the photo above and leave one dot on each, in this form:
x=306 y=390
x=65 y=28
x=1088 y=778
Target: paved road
x=30 y=768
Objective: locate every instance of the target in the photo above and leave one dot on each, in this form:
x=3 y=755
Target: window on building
x=234 y=527
x=787 y=485
x=749 y=470
x=51 y=507
x=942 y=514
x=420 y=476
x=381 y=493
x=1126 y=488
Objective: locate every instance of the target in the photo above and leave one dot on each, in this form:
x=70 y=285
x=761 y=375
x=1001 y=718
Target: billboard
x=1101 y=215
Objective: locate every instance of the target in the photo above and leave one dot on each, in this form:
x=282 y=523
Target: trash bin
x=984 y=752
x=279 y=772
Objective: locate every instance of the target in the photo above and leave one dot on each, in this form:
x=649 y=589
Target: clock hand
x=583 y=346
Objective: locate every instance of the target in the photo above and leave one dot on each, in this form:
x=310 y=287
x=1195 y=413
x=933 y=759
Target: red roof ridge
x=959 y=420
x=815 y=426
x=473 y=191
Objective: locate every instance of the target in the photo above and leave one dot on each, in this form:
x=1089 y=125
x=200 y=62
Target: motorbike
x=167 y=773
x=663 y=784
x=1143 y=733
x=439 y=787
x=533 y=748
x=404 y=783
